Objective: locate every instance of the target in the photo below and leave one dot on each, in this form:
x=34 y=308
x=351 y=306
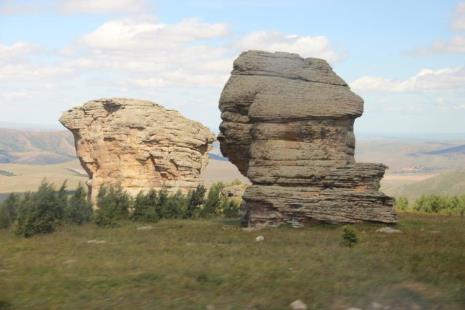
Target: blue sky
x=405 y=58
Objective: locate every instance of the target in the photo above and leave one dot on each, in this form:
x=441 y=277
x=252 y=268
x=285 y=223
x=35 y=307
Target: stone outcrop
x=288 y=126
x=138 y=144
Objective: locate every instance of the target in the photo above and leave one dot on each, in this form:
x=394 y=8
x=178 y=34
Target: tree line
x=435 y=204
x=47 y=208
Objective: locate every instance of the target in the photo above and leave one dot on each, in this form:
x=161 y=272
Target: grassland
x=195 y=264
x=29 y=177
x=447 y=183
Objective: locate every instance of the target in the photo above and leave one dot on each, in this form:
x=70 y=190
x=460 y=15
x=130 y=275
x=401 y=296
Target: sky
x=406 y=58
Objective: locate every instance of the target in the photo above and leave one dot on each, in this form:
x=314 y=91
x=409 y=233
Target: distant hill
x=413 y=156
x=447 y=183
x=448 y=151
x=36 y=147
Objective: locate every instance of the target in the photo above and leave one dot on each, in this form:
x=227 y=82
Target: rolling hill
x=36 y=147
x=449 y=151
x=416 y=166
x=447 y=183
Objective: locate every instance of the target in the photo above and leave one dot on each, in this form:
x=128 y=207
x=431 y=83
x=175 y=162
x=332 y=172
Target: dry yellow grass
x=29 y=177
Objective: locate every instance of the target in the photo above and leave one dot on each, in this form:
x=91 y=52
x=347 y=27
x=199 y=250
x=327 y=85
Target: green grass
x=448 y=183
x=189 y=264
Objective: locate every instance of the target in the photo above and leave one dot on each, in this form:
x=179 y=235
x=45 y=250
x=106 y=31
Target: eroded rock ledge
x=138 y=144
x=288 y=126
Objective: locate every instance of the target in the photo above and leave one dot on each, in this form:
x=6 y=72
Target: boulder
x=287 y=124
x=138 y=144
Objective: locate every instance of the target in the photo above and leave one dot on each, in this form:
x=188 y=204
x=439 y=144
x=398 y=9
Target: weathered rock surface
x=288 y=126
x=138 y=144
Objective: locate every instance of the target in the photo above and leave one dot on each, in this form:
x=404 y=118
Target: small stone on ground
x=389 y=230
x=298 y=305
x=95 y=241
x=148 y=227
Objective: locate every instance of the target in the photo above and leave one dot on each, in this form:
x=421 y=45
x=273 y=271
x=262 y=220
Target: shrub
x=195 y=200
x=9 y=210
x=436 y=204
x=440 y=204
x=213 y=203
x=175 y=207
x=231 y=208
x=78 y=209
x=113 y=205
x=39 y=212
x=401 y=204
x=349 y=236
x=430 y=204
x=62 y=201
x=146 y=207
x=5 y=219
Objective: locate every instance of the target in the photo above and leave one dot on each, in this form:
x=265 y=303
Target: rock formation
x=288 y=126
x=137 y=144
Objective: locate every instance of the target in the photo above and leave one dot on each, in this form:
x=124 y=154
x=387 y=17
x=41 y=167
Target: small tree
x=9 y=210
x=79 y=209
x=401 y=204
x=195 y=199
x=113 y=205
x=174 y=207
x=213 y=204
x=38 y=212
x=231 y=208
x=146 y=207
x=62 y=201
x=349 y=236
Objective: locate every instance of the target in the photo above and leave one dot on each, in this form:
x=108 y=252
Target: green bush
x=175 y=207
x=146 y=207
x=113 y=205
x=40 y=212
x=435 y=204
x=401 y=204
x=440 y=204
x=78 y=209
x=231 y=208
x=214 y=201
x=195 y=200
x=349 y=236
x=9 y=211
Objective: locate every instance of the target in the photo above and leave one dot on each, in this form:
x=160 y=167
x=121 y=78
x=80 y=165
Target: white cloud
x=146 y=33
x=425 y=80
x=154 y=54
x=13 y=7
x=16 y=51
x=445 y=105
x=306 y=46
x=454 y=45
x=459 y=17
x=141 y=52
x=15 y=63
x=34 y=72
x=9 y=95
x=103 y=6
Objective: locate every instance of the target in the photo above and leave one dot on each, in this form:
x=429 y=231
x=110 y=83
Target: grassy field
x=29 y=177
x=447 y=183
x=213 y=264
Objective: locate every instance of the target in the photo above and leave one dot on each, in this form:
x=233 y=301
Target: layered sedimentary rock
x=138 y=145
x=288 y=126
